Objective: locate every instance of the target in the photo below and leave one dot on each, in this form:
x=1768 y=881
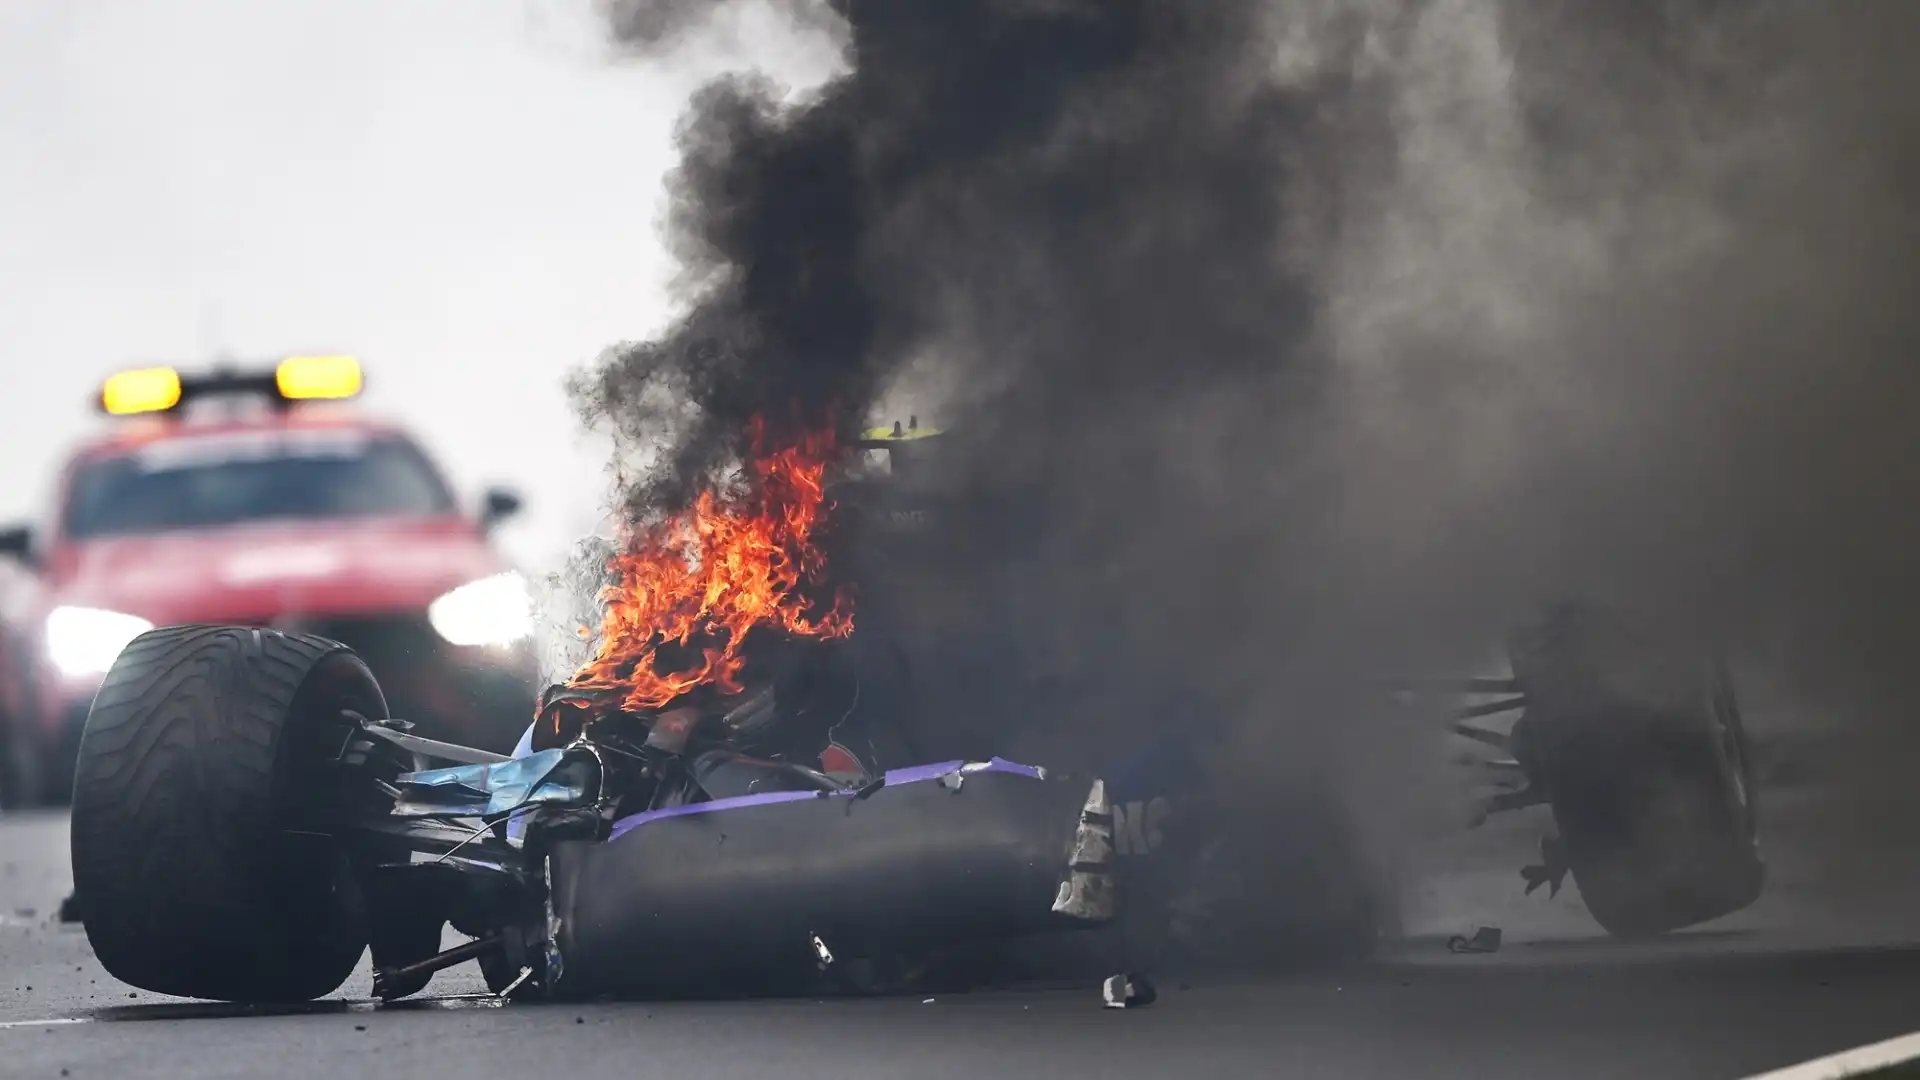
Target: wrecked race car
x=249 y=820
x=693 y=814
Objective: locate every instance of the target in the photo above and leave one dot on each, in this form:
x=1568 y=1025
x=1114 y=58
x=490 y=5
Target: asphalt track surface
x=1829 y=959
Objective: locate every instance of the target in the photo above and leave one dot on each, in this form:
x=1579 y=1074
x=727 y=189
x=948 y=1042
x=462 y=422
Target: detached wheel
x=1639 y=745
x=202 y=852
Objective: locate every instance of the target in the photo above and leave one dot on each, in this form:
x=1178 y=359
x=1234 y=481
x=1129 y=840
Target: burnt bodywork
x=711 y=897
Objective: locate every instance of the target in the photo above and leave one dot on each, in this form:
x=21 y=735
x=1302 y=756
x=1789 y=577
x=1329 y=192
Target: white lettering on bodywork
x=1137 y=825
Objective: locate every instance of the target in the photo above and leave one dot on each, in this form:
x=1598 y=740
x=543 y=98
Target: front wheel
x=201 y=845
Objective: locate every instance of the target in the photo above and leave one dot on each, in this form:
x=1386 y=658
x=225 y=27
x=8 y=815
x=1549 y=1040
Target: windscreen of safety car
x=227 y=479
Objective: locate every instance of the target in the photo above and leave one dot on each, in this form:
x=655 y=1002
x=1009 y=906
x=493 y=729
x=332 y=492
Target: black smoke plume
x=1324 y=336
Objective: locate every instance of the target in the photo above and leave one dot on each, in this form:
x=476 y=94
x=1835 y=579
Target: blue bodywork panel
x=550 y=777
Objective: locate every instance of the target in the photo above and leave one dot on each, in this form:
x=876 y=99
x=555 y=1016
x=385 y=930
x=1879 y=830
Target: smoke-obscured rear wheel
x=1639 y=744
x=202 y=853
x=1287 y=889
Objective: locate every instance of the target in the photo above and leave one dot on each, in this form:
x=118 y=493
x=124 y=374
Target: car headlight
x=495 y=610
x=85 y=641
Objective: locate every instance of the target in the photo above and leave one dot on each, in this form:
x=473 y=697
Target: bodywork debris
x=1088 y=890
x=506 y=991
x=566 y=777
x=1550 y=871
x=1484 y=940
x=1131 y=990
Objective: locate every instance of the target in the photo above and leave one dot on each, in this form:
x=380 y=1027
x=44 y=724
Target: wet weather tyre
x=201 y=850
x=1640 y=747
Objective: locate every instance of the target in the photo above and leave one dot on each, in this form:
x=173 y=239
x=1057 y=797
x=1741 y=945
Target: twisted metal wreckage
x=659 y=834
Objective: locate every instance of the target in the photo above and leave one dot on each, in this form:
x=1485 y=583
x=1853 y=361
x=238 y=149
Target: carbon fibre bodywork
x=770 y=891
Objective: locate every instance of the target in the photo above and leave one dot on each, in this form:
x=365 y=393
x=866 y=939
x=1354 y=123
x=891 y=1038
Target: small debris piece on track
x=1131 y=990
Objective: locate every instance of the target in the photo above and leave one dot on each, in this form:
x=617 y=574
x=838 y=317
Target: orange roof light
x=318 y=378
x=144 y=390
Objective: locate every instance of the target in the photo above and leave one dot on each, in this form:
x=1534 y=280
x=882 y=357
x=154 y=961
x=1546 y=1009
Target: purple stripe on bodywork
x=915 y=774
x=912 y=775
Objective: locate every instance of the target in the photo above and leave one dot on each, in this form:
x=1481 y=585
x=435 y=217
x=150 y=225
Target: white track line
x=56 y=1022
x=1850 y=1062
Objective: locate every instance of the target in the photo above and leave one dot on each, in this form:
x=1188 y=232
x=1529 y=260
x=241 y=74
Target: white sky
x=462 y=192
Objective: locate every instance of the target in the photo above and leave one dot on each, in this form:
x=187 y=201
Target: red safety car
x=257 y=498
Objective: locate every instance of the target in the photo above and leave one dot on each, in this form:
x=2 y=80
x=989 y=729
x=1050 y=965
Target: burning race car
x=706 y=806
x=251 y=498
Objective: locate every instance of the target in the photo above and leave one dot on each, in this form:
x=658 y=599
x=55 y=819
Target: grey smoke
x=1331 y=334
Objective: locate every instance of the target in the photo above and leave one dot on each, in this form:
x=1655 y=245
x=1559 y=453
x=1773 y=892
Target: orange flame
x=704 y=577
